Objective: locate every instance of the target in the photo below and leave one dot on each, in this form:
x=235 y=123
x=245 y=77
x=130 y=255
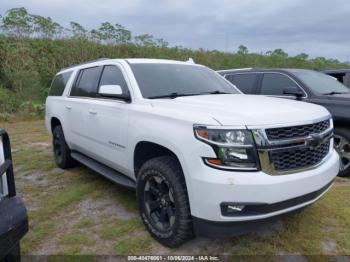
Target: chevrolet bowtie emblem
x=315 y=141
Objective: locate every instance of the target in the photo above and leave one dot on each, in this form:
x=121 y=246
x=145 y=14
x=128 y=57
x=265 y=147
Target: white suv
x=204 y=159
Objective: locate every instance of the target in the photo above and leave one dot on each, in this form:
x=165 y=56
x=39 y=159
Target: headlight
x=235 y=149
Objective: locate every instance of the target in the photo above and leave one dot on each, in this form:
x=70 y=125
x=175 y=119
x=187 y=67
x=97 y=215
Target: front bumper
x=13 y=223
x=276 y=194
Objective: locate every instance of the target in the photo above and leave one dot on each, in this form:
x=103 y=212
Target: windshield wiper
x=175 y=94
x=216 y=92
x=334 y=93
x=172 y=95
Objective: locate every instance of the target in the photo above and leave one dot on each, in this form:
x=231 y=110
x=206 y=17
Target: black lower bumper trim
x=214 y=229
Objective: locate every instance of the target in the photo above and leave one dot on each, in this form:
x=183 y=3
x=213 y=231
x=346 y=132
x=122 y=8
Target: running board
x=104 y=170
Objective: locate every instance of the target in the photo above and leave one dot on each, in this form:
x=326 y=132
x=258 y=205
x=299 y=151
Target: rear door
x=246 y=82
x=78 y=109
x=274 y=84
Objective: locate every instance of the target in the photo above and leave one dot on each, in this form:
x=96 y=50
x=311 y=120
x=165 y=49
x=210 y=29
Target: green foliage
x=78 y=30
x=242 y=50
x=18 y=22
x=34 y=48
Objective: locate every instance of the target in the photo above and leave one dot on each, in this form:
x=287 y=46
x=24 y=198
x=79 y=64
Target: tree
x=123 y=35
x=113 y=33
x=107 y=31
x=18 y=22
x=160 y=42
x=144 y=40
x=78 y=30
x=279 y=53
x=46 y=27
x=302 y=56
x=95 y=35
x=242 y=50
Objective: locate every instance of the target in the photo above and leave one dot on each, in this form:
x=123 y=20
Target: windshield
x=321 y=83
x=162 y=80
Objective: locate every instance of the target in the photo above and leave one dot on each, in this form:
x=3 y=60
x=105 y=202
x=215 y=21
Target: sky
x=315 y=27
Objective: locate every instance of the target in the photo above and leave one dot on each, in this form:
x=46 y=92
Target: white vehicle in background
x=204 y=159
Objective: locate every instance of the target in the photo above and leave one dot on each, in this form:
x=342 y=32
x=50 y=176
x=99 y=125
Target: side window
x=245 y=82
x=112 y=75
x=275 y=84
x=86 y=83
x=59 y=83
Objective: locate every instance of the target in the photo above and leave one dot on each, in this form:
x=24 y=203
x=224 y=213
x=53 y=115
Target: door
x=109 y=122
x=246 y=82
x=274 y=84
x=78 y=109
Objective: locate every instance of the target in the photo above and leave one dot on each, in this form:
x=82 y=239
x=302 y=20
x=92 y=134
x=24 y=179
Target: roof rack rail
x=87 y=62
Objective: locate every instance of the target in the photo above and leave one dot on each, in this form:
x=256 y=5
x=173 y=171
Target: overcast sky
x=316 y=27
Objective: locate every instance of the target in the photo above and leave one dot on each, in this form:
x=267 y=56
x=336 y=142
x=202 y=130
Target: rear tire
x=342 y=145
x=163 y=201
x=14 y=255
x=61 y=150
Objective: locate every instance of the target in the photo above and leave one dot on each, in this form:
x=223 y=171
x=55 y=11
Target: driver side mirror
x=113 y=91
x=294 y=91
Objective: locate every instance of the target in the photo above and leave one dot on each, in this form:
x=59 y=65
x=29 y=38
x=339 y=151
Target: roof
x=257 y=69
x=129 y=60
x=155 y=61
x=336 y=71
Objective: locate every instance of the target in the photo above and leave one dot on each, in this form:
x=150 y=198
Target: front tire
x=342 y=145
x=163 y=201
x=61 y=150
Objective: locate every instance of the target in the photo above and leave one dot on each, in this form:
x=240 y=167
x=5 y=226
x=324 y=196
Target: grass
x=84 y=223
x=75 y=212
x=133 y=246
x=76 y=239
x=36 y=235
x=120 y=228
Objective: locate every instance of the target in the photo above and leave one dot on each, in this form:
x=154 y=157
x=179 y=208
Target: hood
x=237 y=109
x=338 y=97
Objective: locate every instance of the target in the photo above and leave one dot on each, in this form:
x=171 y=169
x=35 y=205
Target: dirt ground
x=78 y=212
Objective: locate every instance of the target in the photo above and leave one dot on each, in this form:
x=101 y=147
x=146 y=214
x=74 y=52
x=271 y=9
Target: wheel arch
x=54 y=122
x=341 y=123
x=146 y=150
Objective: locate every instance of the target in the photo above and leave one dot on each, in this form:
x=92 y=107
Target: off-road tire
x=168 y=169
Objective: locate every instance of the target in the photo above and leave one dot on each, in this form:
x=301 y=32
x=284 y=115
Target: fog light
x=231 y=209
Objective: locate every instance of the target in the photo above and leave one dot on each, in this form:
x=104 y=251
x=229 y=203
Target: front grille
x=298 y=158
x=297 y=131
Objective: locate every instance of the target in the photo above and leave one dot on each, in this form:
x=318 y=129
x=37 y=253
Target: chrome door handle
x=68 y=107
x=92 y=112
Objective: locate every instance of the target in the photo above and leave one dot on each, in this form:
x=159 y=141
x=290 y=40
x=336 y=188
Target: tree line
x=34 y=48
x=19 y=23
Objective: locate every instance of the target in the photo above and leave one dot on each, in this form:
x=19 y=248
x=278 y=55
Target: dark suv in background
x=13 y=214
x=342 y=75
x=305 y=85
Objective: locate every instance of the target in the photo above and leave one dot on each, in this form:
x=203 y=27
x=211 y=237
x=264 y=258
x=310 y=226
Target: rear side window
x=275 y=84
x=113 y=76
x=245 y=82
x=59 y=83
x=86 y=83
